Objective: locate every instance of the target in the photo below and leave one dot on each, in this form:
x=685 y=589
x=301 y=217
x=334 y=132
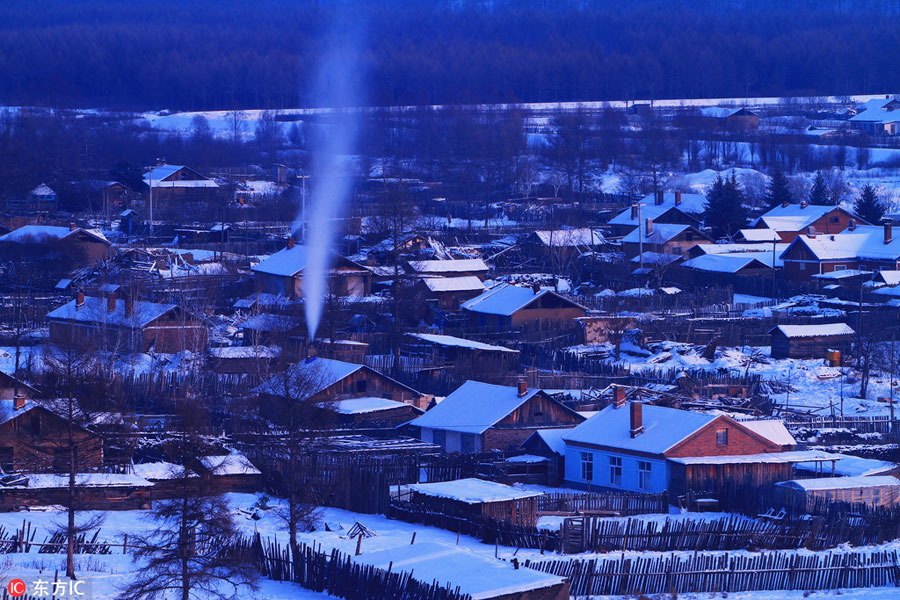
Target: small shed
x=810 y=341
x=873 y=491
x=373 y=412
x=473 y=497
x=232 y=472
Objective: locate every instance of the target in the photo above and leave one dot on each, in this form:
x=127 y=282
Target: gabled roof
x=771 y=429
x=722 y=112
x=95 y=311
x=506 y=299
x=796 y=217
x=472 y=491
x=467 y=283
x=463 y=265
x=890 y=277
x=661 y=233
x=474 y=407
x=841 y=483
x=805 y=331
x=664 y=428
x=42 y=190
x=865 y=242
x=553 y=438
x=759 y=235
x=44 y=233
x=877 y=110
x=161 y=177
x=455 y=342
x=730 y=263
x=322 y=373
x=567 y=238
x=692 y=205
x=287 y=262
x=361 y=406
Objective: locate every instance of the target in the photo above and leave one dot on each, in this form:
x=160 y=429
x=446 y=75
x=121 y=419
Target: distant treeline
x=224 y=54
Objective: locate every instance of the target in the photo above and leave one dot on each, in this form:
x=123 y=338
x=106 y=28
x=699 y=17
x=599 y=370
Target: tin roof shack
x=337 y=380
x=282 y=274
x=474 y=267
x=479 y=577
x=34 y=438
x=804 y=494
x=372 y=412
x=478 y=417
x=478 y=498
x=810 y=341
x=447 y=293
x=96 y=491
x=133 y=324
x=232 y=472
x=507 y=306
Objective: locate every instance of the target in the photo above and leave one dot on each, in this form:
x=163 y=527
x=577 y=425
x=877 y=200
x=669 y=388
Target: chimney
x=811 y=231
x=637 y=421
x=785 y=204
x=618 y=396
x=634 y=211
x=536 y=288
x=888 y=231
x=79 y=299
x=649 y=228
x=677 y=198
x=290 y=242
x=659 y=198
x=18 y=402
x=71 y=226
x=852 y=225
x=111 y=302
x=129 y=306
x=523 y=388
x=804 y=204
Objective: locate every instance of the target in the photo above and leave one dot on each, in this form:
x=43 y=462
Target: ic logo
x=16 y=588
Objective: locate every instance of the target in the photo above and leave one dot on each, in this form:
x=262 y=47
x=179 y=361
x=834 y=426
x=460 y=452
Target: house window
x=467 y=443
x=644 y=469
x=835 y=220
x=802 y=266
x=439 y=437
x=35 y=424
x=587 y=466
x=615 y=470
x=722 y=437
x=840 y=267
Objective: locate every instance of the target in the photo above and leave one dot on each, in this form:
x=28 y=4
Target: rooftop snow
x=233 y=463
x=504 y=299
x=43 y=190
x=161 y=471
x=854 y=466
x=449 y=340
x=797 y=456
x=866 y=241
x=794 y=217
x=842 y=274
x=463 y=265
x=468 y=283
x=824 y=330
x=95 y=310
x=46 y=480
x=235 y=352
x=840 y=483
x=570 y=237
x=44 y=233
x=771 y=429
x=472 y=491
x=889 y=277
x=728 y=263
x=760 y=235
x=319 y=373
x=554 y=439
x=361 y=406
x=287 y=262
x=661 y=233
x=158 y=176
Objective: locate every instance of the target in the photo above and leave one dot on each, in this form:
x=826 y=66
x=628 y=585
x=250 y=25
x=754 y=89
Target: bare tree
x=236 y=125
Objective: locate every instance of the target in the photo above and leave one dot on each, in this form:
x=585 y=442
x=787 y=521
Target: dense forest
x=225 y=54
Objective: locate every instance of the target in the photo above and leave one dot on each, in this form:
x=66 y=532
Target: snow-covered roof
x=267 y=322
x=320 y=373
x=840 y=483
x=559 y=238
x=554 y=439
x=794 y=217
x=729 y=263
x=8 y=410
x=47 y=480
x=472 y=491
x=467 y=283
x=889 y=277
x=473 y=407
x=822 y=330
x=236 y=352
x=361 y=406
x=865 y=242
x=233 y=463
x=96 y=310
x=449 y=340
x=720 y=112
x=876 y=111
x=158 y=176
x=691 y=204
x=853 y=466
x=658 y=258
x=505 y=299
x=42 y=190
x=763 y=234
x=462 y=265
x=663 y=428
x=287 y=262
x=478 y=576
x=841 y=274
x=161 y=471
x=797 y=456
x=661 y=233
x=44 y=233
x=771 y=429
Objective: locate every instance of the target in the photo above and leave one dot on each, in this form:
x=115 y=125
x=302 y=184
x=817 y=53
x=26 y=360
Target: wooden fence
x=720 y=573
x=862 y=424
x=336 y=574
x=623 y=504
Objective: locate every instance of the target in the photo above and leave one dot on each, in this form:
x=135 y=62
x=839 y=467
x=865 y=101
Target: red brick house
x=790 y=220
x=478 y=417
x=863 y=248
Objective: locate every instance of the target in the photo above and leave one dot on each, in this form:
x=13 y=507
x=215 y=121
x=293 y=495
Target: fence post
x=125 y=545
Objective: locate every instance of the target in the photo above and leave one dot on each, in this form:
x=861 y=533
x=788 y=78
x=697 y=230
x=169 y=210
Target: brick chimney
x=18 y=402
x=888 y=231
x=523 y=388
x=677 y=198
x=111 y=302
x=634 y=211
x=804 y=204
x=659 y=197
x=290 y=242
x=649 y=228
x=618 y=396
x=811 y=231
x=129 y=306
x=852 y=225
x=72 y=227
x=637 y=420
x=79 y=299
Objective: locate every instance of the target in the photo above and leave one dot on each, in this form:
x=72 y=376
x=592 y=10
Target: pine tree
x=868 y=205
x=819 y=192
x=778 y=191
x=725 y=213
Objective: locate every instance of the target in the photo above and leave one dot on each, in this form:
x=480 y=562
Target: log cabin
x=473 y=497
x=662 y=207
x=810 y=341
x=282 y=274
x=506 y=306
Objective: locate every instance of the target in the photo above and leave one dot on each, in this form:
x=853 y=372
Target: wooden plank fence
x=721 y=573
x=623 y=504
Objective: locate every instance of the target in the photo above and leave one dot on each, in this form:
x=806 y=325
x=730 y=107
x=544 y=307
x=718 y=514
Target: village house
x=132 y=325
x=507 y=306
x=36 y=439
x=562 y=244
x=662 y=238
x=282 y=274
x=408 y=245
x=675 y=208
x=790 y=220
x=474 y=267
x=859 y=248
x=478 y=417
x=476 y=498
x=645 y=448
x=733 y=118
x=74 y=245
x=243 y=360
x=372 y=412
x=878 y=116
x=455 y=350
x=41 y=199
x=810 y=341
x=736 y=263
x=232 y=472
x=175 y=186
x=447 y=293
